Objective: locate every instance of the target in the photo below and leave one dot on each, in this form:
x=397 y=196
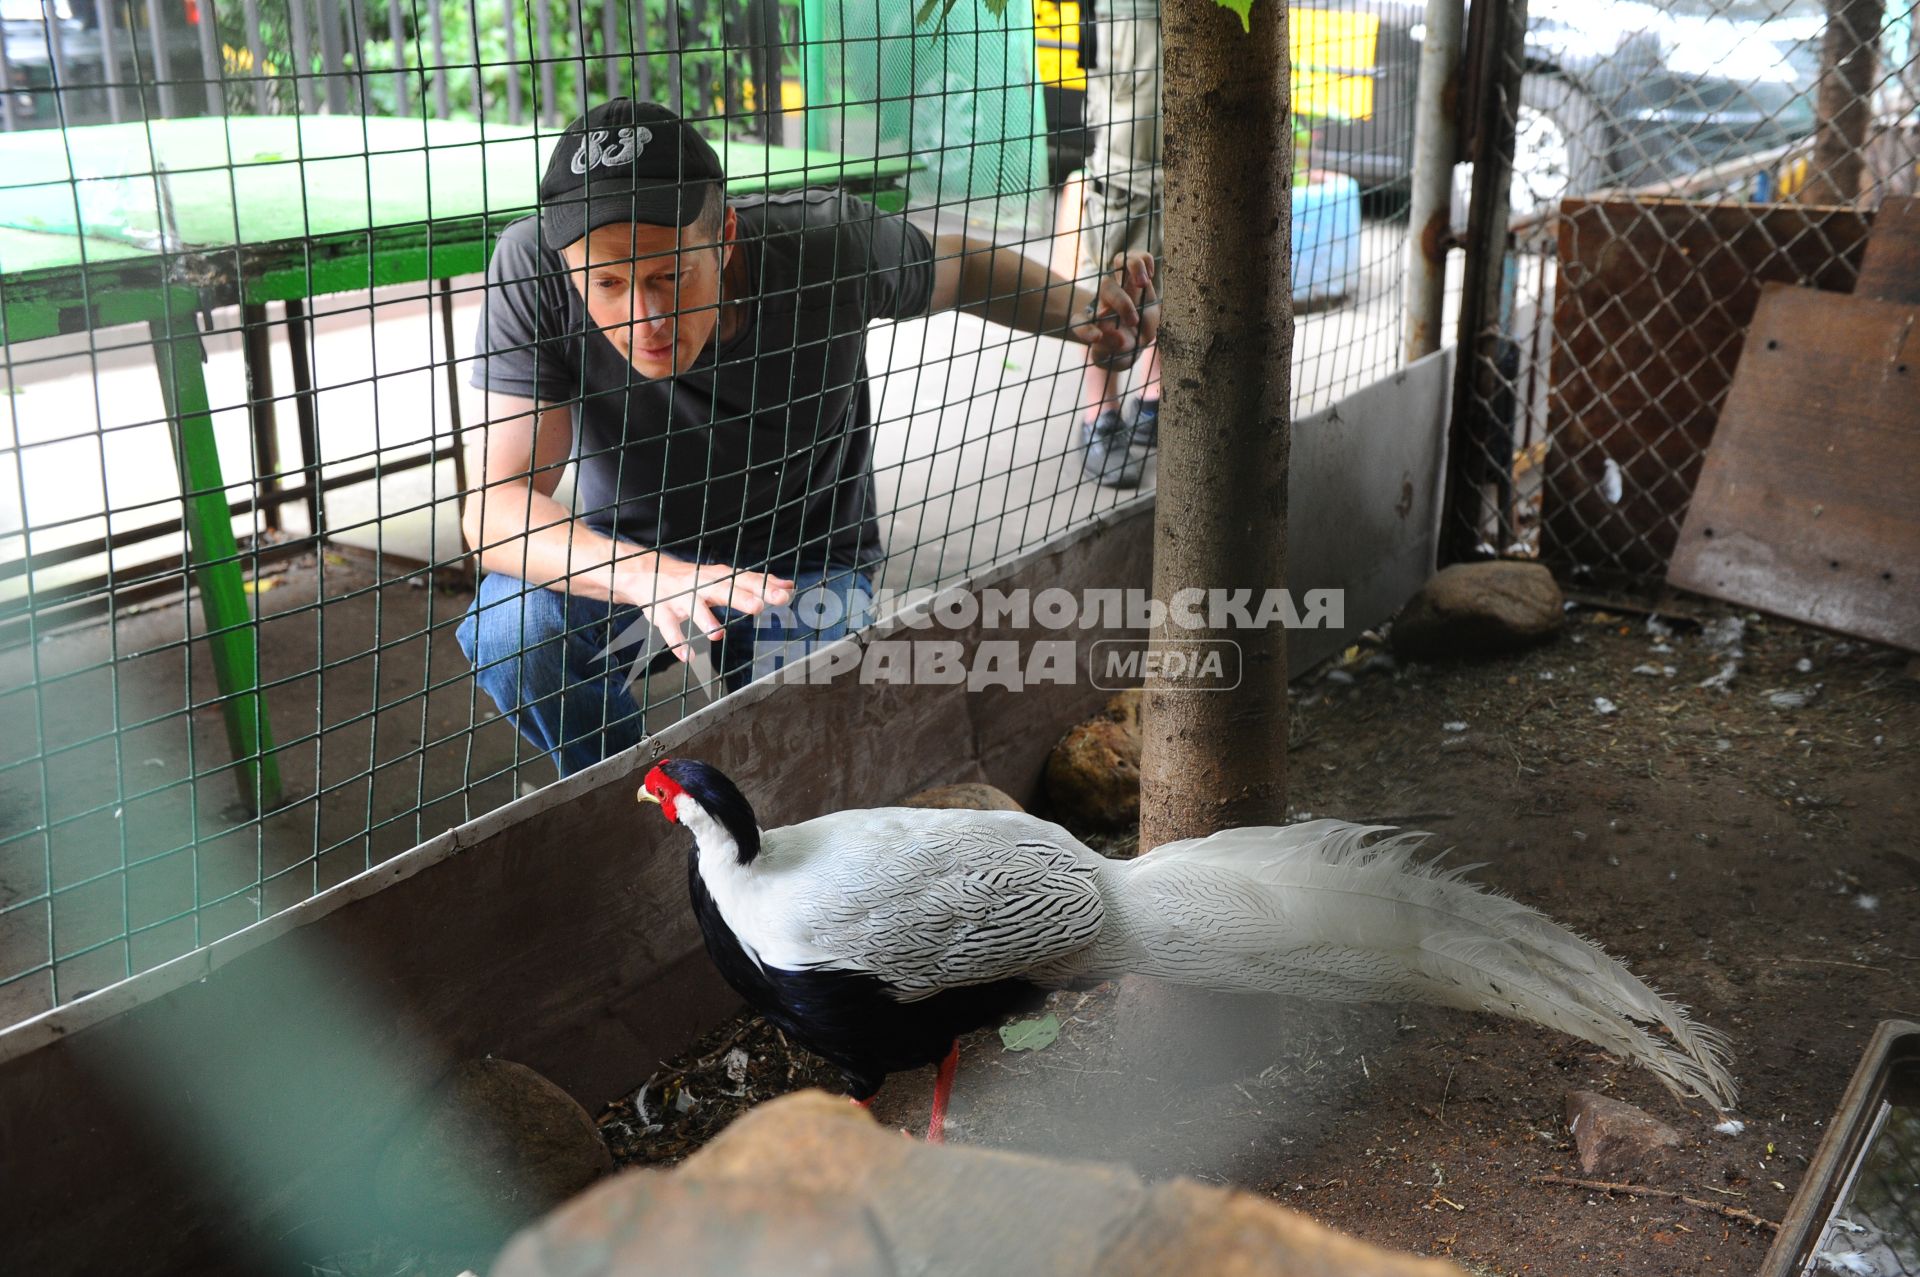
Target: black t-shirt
x=760 y=454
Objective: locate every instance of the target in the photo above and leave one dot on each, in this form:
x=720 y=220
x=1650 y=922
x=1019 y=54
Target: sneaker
x=1111 y=459
x=1146 y=422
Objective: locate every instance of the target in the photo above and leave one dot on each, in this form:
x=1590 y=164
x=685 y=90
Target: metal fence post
x=397 y=32
x=510 y=28
x=300 y=351
x=583 y=87
x=1436 y=146
x=257 y=339
x=213 y=95
x=1501 y=31
x=162 y=58
x=548 y=110
x=109 y=58
x=643 y=49
x=302 y=41
x=257 y=50
x=436 y=34
x=609 y=41
x=56 y=55
x=6 y=89
x=332 y=55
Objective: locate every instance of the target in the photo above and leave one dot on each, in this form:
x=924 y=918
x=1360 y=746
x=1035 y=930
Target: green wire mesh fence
x=252 y=350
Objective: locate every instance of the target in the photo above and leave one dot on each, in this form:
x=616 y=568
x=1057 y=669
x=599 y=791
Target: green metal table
x=155 y=222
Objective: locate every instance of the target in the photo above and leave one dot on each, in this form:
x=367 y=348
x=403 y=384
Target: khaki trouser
x=1120 y=204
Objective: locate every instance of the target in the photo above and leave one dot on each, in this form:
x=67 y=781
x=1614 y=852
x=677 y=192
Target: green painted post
x=813 y=44
x=223 y=595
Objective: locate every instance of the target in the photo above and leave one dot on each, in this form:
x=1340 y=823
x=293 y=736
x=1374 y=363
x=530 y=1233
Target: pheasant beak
x=646 y=797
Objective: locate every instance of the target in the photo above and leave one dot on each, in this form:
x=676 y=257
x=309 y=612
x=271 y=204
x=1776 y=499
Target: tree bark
x=1214 y=758
x=1843 y=105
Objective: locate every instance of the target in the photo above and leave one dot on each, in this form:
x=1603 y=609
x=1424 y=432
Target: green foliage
x=998 y=8
x=487 y=57
x=715 y=67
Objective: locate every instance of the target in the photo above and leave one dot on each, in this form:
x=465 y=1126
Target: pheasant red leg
x=942 y=1092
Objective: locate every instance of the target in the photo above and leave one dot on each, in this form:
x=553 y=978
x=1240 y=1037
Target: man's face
x=656 y=301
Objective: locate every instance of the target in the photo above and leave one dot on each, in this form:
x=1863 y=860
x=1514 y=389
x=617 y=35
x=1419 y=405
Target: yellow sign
x=1333 y=54
x=1056 y=44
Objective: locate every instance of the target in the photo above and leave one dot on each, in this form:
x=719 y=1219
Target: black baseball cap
x=625 y=161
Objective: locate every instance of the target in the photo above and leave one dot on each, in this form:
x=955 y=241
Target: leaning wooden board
x=1891 y=268
x=1809 y=503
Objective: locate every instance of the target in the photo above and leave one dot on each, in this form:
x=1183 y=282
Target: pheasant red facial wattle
x=660 y=788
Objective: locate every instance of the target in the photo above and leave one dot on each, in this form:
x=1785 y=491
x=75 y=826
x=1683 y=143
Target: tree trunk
x=1844 y=103
x=1215 y=758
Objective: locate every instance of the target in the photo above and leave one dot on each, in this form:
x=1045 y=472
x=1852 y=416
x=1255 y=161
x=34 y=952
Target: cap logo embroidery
x=595 y=153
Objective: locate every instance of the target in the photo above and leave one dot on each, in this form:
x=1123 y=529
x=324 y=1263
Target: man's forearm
x=1008 y=287
x=526 y=534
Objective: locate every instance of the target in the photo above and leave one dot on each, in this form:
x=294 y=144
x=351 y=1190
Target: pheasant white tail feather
x=1328 y=909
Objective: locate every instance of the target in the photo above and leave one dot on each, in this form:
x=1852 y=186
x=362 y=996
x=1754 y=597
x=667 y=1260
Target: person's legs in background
x=1120 y=213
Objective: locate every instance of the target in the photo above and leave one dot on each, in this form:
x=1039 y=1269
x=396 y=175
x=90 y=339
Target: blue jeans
x=564 y=669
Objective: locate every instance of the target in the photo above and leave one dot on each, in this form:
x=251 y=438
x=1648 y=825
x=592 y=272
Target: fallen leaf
x=1031 y=1035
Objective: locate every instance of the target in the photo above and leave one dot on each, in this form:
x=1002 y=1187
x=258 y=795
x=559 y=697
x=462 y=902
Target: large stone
x=1616 y=1139
x=1236 y=1234
x=963 y=797
x=1093 y=774
x=493 y=1147
x=817 y=1172
x=647 y=1222
x=1480 y=609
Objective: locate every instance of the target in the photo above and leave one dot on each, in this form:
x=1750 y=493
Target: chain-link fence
x=1703 y=148
x=264 y=270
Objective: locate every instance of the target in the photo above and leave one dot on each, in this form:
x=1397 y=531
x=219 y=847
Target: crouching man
x=700 y=361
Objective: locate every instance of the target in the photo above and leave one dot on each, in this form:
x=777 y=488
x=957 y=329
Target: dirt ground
x=1750 y=855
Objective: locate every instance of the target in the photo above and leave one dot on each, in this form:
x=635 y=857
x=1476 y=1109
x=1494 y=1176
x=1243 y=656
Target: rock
x=810 y=1172
x=647 y=1221
x=494 y=1146
x=1093 y=774
x=964 y=797
x=1480 y=609
x=1238 y=1233
x=1616 y=1139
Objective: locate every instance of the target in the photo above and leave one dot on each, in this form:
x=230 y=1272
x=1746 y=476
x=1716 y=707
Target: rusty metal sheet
x=1809 y=503
x=1651 y=307
x=1891 y=268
